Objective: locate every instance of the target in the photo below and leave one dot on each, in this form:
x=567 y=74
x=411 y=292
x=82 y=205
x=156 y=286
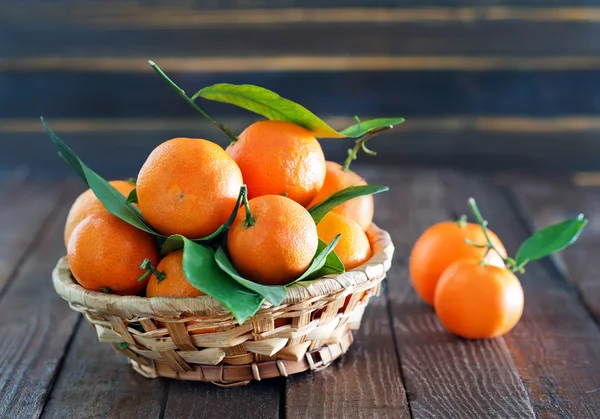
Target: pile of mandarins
x=191 y=187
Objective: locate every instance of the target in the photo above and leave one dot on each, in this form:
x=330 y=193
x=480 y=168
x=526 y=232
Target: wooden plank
x=548 y=201
x=35 y=323
x=445 y=376
x=26 y=206
x=326 y=93
x=118 y=147
x=95 y=381
x=556 y=345
x=203 y=400
x=366 y=382
x=119 y=36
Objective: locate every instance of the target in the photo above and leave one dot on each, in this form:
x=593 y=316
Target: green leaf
x=202 y=271
x=272 y=293
x=112 y=199
x=338 y=198
x=132 y=197
x=268 y=104
x=123 y=345
x=175 y=241
x=365 y=127
x=333 y=264
x=550 y=239
x=318 y=261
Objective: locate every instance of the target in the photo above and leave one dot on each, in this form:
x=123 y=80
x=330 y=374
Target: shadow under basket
x=198 y=339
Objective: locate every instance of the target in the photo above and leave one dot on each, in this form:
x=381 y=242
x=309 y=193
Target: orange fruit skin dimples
x=279 y=246
x=280 y=158
x=105 y=253
x=188 y=186
x=478 y=302
x=354 y=248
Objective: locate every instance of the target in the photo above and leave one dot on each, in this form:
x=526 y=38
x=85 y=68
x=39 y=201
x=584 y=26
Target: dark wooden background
x=504 y=85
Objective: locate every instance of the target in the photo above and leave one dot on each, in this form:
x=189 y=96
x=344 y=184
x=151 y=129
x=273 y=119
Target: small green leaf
x=132 y=197
x=132 y=180
x=365 y=127
x=202 y=271
x=319 y=260
x=550 y=239
x=112 y=199
x=175 y=241
x=338 y=198
x=268 y=104
x=333 y=264
x=272 y=293
x=123 y=345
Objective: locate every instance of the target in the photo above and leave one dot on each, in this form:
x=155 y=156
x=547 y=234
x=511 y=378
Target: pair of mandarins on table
x=191 y=187
x=474 y=294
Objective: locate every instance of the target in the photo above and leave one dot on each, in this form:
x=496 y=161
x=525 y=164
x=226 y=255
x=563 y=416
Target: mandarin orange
x=105 y=253
x=188 y=186
x=354 y=248
x=478 y=301
x=280 y=158
x=174 y=283
x=275 y=243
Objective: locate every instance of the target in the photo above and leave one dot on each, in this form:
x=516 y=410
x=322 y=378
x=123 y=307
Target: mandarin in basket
x=168 y=280
x=105 y=253
x=188 y=186
x=171 y=280
x=280 y=158
x=478 y=301
x=274 y=242
x=360 y=209
x=354 y=248
x=443 y=244
x=87 y=204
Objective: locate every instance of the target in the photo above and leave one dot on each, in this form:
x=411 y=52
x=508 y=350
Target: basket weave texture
x=198 y=339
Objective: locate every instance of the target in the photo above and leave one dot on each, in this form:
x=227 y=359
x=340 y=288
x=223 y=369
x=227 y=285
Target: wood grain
x=95 y=381
x=365 y=383
x=544 y=202
x=556 y=345
x=203 y=400
x=426 y=40
x=35 y=323
x=26 y=206
x=62 y=94
x=510 y=143
x=445 y=376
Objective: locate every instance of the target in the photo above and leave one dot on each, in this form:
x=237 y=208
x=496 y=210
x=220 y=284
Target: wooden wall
x=512 y=84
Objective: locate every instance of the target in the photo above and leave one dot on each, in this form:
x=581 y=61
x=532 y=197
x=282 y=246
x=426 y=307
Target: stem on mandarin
x=250 y=220
x=182 y=93
x=508 y=262
x=150 y=269
x=360 y=145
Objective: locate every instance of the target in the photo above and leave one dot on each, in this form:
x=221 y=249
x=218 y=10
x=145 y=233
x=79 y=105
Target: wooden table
x=402 y=364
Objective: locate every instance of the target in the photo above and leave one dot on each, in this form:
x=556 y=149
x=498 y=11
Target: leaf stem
x=150 y=269
x=250 y=220
x=182 y=93
x=508 y=262
x=360 y=145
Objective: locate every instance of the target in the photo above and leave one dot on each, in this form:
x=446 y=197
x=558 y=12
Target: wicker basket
x=197 y=339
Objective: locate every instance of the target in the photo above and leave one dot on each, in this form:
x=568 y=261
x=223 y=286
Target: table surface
x=402 y=364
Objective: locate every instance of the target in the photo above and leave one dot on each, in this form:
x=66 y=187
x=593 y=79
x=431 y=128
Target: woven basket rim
x=136 y=307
